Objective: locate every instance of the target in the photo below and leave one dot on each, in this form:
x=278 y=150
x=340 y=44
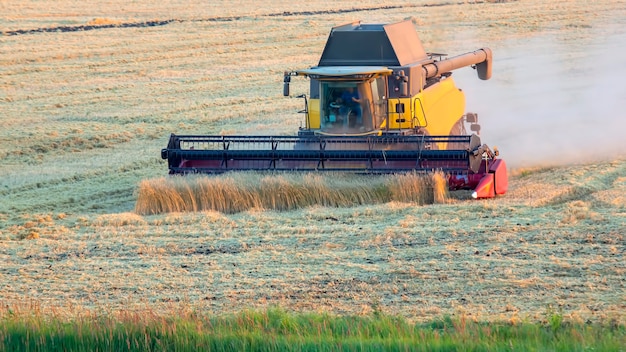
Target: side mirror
x=286 y=89
x=286 y=81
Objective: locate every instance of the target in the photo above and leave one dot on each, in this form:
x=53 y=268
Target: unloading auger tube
x=479 y=59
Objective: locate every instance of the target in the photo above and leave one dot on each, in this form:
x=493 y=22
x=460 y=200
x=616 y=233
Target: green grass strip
x=276 y=330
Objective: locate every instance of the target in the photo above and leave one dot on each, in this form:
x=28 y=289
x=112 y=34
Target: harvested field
x=90 y=94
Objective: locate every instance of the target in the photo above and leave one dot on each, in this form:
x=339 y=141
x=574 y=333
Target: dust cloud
x=553 y=100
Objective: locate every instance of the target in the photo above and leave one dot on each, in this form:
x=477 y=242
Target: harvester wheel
x=457 y=130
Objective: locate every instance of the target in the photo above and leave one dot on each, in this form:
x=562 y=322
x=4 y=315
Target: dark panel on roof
x=406 y=43
x=357 y=44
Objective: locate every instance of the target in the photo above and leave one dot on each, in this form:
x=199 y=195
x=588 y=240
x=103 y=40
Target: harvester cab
x=346 y=100
x=378 y=103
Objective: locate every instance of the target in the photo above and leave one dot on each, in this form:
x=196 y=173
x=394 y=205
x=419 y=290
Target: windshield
x=352 y=107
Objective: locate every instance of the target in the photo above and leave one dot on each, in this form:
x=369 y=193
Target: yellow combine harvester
x=378 y=103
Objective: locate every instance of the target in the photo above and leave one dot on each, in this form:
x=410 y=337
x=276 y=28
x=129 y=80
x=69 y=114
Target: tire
x=457 y=130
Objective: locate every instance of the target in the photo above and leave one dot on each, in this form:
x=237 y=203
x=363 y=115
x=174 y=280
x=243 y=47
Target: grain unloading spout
x=480 y=59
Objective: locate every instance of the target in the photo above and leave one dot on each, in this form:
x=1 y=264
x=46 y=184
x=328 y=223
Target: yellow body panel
x=436 y=109
x=314 y=114
x=443 y=104
x=400 y=120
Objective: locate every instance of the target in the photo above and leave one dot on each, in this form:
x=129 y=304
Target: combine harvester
x=378 y=104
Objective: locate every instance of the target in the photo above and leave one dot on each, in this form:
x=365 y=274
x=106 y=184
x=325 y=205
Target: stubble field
x=90 y=94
